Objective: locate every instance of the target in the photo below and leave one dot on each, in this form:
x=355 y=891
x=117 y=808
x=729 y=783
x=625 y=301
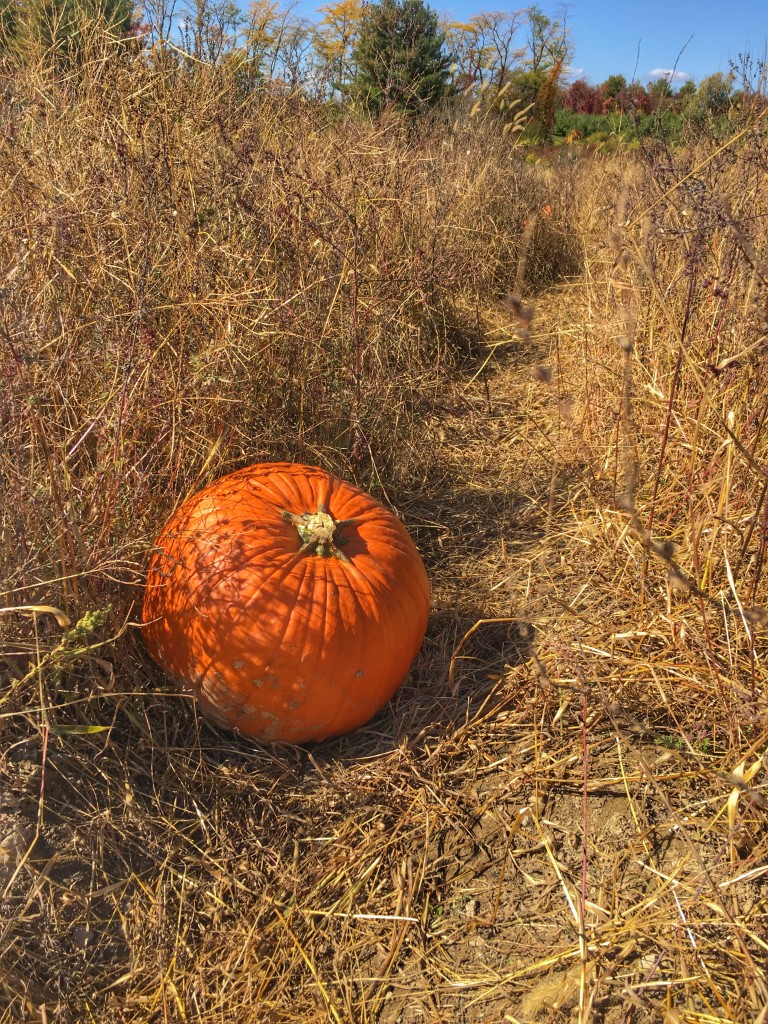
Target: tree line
x=375 y=55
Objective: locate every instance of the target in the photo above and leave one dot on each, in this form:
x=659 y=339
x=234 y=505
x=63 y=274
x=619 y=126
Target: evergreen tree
x=399 y=58
x=7 y=22
x=57 y=29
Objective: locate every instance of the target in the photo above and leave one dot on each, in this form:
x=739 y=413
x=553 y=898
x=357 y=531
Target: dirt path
x=503 y=940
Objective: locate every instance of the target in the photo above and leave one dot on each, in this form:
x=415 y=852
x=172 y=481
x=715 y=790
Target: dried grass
x=575 y=829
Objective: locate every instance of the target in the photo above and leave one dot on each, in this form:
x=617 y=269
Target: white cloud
x=670 y=73
x=572 y=72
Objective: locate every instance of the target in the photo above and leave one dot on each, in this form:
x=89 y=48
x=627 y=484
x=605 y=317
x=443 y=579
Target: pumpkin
x=289 y=603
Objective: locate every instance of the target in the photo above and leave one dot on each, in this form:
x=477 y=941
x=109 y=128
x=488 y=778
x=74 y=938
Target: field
x=552 y=366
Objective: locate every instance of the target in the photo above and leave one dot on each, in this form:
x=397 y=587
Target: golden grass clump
x=561 y=816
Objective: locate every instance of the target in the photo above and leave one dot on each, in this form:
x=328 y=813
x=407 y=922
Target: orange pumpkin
x=290 y=603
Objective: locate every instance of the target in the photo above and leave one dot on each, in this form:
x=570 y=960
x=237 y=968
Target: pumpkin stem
x=318 y=532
